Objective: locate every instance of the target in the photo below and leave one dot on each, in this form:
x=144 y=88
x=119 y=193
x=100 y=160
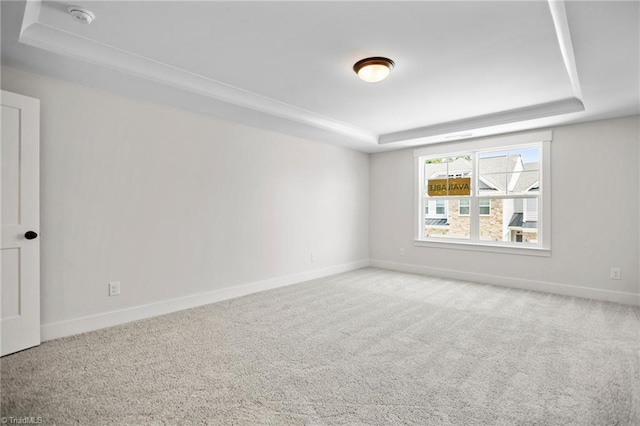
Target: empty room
x=320 y=212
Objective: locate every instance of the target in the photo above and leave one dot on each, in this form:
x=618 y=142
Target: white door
x=20 y=254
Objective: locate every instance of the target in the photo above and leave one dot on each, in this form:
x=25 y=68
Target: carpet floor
x=367 y=347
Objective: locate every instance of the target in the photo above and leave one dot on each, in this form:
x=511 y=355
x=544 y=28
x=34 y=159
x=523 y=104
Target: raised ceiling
x=463 y=69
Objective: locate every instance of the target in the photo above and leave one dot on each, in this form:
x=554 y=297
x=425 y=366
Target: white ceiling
x=463 y=69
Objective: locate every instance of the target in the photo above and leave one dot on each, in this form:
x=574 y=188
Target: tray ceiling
x=463 y=69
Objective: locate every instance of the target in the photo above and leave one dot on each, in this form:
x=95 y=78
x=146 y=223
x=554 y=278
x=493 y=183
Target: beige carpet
x=369 y=347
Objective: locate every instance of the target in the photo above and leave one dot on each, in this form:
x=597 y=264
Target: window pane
x=449 y=225
x=509 y=221
x=513 y=171
x=448 y=176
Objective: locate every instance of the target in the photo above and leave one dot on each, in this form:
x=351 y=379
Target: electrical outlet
x=114 y=288
x=401 y=252
x=615 y=273
x=314 y=257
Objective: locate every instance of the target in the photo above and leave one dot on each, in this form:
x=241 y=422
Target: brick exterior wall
x=491 y=226
x=459 y=226
x=527 y=236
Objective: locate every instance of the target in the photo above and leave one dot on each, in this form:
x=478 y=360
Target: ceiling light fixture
x=373 y=70
x=81 y=15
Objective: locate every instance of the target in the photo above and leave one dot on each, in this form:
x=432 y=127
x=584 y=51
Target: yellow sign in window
x=444 y=187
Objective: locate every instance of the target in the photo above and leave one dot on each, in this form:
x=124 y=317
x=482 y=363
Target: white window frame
x=543 y=245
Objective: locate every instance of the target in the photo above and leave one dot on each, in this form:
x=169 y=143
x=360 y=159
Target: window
x=463 y=209
x=489 y=195
x=485 y=206
x=435 y=209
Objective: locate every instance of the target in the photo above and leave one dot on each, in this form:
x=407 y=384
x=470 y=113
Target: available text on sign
x=444 y=187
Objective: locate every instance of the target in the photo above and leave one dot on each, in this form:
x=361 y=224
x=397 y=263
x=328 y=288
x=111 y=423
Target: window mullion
x=474 y=209
x=421 y=191
x=421 y=223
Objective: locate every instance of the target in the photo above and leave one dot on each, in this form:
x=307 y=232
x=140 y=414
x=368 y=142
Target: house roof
x=492 y=170
x=498 y=164
x=529 y=178
x=517 y=221
x=436 y=222
x=457 y=165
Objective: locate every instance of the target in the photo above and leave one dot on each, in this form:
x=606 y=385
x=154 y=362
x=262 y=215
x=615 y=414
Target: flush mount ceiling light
x=81 y=15
x=373 y=70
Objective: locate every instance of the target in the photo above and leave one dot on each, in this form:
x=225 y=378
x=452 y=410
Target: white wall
x=594 y=213
x=172 y=203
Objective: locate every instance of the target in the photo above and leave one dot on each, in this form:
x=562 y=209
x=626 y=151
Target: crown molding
x=40 y=35
x=37 y=34
x=532 y=112
x=561 y=24
x=549 y=109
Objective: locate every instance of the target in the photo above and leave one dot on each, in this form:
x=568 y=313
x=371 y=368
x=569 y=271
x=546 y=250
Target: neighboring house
x=506 y=219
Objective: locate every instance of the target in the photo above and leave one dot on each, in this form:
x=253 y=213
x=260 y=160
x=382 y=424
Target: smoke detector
x=81 y=15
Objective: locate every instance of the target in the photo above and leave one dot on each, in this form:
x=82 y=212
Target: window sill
x=491 y=248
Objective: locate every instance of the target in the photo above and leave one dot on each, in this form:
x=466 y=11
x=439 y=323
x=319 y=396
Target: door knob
x=30 y=235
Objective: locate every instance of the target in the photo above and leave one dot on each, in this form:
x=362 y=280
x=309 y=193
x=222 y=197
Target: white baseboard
x=95 y=322
x=547 y=287
x=108 y=319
